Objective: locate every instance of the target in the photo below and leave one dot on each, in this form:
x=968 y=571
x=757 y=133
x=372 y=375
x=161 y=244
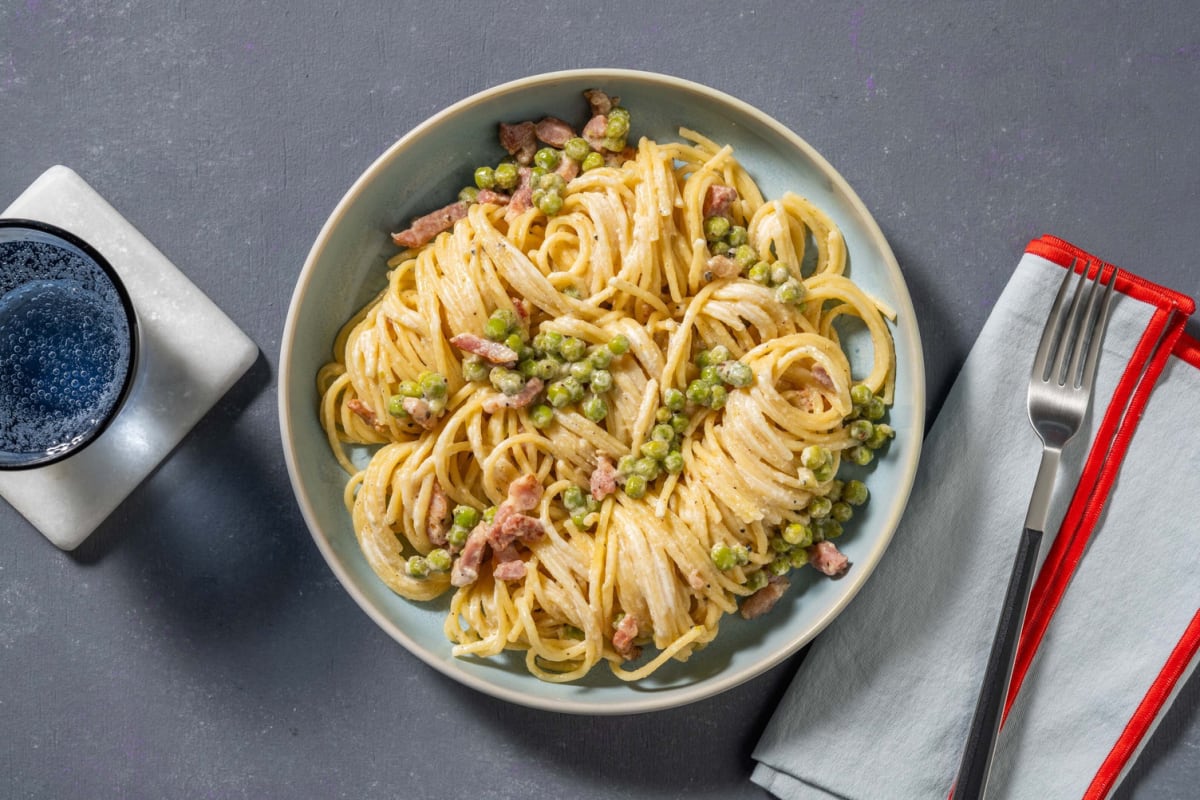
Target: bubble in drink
x=65 y=347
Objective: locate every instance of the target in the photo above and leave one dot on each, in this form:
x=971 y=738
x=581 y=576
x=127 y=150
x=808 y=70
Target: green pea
x=824 y=472
x=674 y=399
x=547 y=158
x=842 y=512
x=553 y=182
x=547 y=369
x=829 y=528
x=618 y=122
x=489 y=514
x=860 y=394
x=663 y=414
x=744 y=256
x=395 y=406
x=680 y=422
x=736 y=236
x=466 y=516
x=709 y=375
x=702 y=359
x=485 y=177
x=574 y=387
x=719 y=355
x=541 y=415
x=619 y=344
x=860 y=455
x=417 y=567
x=655 y=449
x=646 y=467
x=798 y=557
x=573 y=498
x=741 y=554
x=736 y=374
x=535 y=176
x=882 y=434
x=835 y=490
x=717 y=397
x=663 y=432
x=673 y=463
x=571 y=632
x=723 y=557
x=756 y=580
x=548 y=342
x=508 y=381
x=699 y=392
x=573 y=349
x=635 y=486
x=861 y=430
x=855 y=492
x=594 y=408
x=779 y=566
x=549 y=203
x=558 y=395
x=468 y=194
x=778 y=544
x=625 y=464
x=602 y=380
x=819 y=507
x=797 y=534
x=505 y=176
x=779 y=273
x=614 y=144
x=439 y=560
x=577 y=149
x=409 y=388
x=456 y=537
x=580 y=371
x=600 y=357
x=790 y=291
x=715 y=228
x=874 y=410
x=433 y=385
x=760 y=272
x=500 y=324
x=814 y=456
x=591 y=161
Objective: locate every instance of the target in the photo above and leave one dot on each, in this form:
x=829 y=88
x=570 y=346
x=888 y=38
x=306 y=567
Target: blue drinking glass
x=68 y=344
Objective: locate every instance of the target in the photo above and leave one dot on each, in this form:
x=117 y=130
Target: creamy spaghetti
x=606 y=427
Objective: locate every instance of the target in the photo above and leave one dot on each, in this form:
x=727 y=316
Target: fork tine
x=1081 y=333
x=1069 y=333
x=1050 y=335
x=1093 y=354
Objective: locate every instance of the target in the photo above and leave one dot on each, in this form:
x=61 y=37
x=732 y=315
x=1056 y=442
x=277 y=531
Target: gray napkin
x=881 y=704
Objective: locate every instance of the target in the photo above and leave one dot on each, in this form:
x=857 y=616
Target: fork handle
x=989 y=708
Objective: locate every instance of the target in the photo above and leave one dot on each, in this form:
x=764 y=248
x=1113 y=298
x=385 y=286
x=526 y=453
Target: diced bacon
x=604 y=478
x=522 y=198
x=515 y=527
x=696 y=580
x=509 y=566
x=522 y=309
x=828 y=559
x=765 y=598
x=520 y=140
x=627 y=631
x=554 y=132
x=718 y=199
x=525 y=493
x=568 y=169
x=486 y=349
x=492 y=196
x=466 y=567
x=519 y=400
x=364 y=412
x=822 y=377
x=722 y=267
x=425 y=228
x=439 y=511
x=599 y=102
x=612 y=159
x=594 y=131
x=420 y=412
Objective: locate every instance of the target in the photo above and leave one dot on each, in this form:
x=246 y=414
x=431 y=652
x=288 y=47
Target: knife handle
x=989 y=708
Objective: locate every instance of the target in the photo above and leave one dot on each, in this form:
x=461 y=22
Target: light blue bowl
x=421 y=172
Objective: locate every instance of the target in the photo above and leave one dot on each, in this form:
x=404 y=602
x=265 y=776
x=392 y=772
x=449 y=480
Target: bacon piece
x=627 y=631
x=425 y=228
x=554 y=132
x=420 y=412
x=522 y=197
x=439 y=510
x=828 y=559
x=364 y=412
x=616 y=159
x=522 y=309
x=604 y=478
x=519 y=400
x=594 y=131
x=696 y=580
x=515 y=527
x=520 y=140
x=509 y=566
x=718 y=199
x=722 y=267
x=492 y=196
x=568 y=168
x=765 y=598
x=466 y=567
x=525 y=493
x=822 y=377
x=486 y=349
x=599 y=102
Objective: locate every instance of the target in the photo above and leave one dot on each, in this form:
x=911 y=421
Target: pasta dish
x=604 y=399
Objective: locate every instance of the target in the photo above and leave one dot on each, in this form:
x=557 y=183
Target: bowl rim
x=675 y=696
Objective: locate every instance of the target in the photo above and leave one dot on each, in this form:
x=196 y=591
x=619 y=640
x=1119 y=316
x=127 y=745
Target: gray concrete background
x=197 y=645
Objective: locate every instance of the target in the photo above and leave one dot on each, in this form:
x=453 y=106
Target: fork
x=1060 y=391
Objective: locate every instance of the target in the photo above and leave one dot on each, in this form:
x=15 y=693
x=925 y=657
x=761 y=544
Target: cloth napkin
x=881 y=704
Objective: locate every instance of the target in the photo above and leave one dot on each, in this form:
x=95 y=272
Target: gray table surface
x=197 y=645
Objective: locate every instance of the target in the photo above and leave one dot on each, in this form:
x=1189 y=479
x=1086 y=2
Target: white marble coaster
x=191 y=354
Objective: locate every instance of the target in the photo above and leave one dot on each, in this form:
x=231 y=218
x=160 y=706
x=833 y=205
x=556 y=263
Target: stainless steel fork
x=1060 y=390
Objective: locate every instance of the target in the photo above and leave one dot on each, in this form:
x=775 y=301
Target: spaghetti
x=603 y=428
